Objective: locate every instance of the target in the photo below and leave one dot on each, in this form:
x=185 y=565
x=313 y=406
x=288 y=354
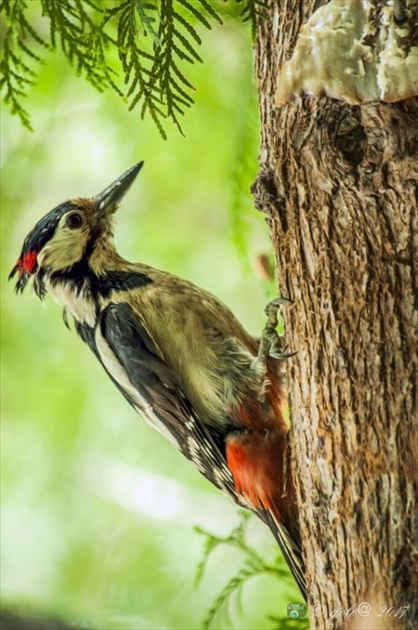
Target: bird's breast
x=77 y=302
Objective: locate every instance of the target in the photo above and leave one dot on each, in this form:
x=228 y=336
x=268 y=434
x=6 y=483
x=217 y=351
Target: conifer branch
x=156 y=41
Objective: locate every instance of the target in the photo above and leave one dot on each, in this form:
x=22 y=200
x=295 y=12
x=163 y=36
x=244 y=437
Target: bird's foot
x=271 y=343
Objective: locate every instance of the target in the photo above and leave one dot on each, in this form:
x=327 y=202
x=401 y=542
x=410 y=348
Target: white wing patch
x=118 y=372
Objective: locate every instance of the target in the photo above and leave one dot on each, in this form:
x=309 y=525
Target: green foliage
x=254 y=566
x=154 y=43
x=251 y=10
x=17 y=75
x=242 y=166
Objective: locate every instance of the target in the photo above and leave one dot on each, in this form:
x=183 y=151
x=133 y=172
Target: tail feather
x=257 y=460
x=290 y=547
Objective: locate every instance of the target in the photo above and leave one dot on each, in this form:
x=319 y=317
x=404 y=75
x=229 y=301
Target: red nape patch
x=27 y=263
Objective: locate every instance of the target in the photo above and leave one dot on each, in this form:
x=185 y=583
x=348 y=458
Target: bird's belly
x=204 y=391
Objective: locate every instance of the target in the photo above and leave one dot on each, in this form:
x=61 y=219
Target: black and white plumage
x=177 y=354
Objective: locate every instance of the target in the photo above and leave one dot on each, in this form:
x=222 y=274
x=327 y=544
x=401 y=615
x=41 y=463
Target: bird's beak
x=108 y=200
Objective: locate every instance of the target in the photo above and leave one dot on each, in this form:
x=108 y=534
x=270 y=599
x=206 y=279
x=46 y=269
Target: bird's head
x=69 y=233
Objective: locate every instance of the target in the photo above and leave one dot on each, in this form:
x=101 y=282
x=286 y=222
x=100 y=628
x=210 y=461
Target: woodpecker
x=177 y=354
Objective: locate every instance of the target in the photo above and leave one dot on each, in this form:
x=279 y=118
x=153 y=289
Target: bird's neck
x=78 y=287
x=84 y=287
x=73 y=290
x=104 y=257
x=80 y=304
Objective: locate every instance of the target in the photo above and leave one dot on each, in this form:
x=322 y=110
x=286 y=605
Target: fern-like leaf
x=74 y=31
x=231 y=588
x=253 y=10
x=254 y=565
x=19 y=57
x=155 y=41
x=147 y=15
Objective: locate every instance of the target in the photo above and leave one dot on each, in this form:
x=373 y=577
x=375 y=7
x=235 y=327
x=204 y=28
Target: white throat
x=76 y=303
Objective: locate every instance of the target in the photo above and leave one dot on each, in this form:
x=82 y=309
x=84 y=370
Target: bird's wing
x=136 y=365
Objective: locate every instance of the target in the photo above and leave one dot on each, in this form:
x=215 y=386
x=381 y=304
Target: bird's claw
x=271 y=343
x=274 y=304
x=281 y=355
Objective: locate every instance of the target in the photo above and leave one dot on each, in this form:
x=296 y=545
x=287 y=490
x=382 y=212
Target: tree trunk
x=338 y=184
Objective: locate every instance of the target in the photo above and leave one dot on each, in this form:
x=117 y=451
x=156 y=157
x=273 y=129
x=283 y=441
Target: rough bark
x=338 y=184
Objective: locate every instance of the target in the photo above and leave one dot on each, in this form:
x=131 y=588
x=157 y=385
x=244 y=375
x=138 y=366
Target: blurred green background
x=97 y=509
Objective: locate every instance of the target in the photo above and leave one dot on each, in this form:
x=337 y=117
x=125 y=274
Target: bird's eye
x=74 y=221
